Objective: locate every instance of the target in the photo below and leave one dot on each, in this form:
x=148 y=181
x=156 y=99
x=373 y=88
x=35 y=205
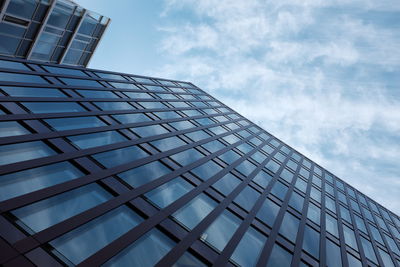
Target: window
x=245 y=148
x=229 y=156
x=11 y=128
x=131 y=118
x=120 y=156
x=247 y=198
x=315 y=194
x=279 y=190
x=32 y=91
x=368 y=250
x=45 y=213
x=167 y=193
x=207 y=170
x=259 y=157
x=262 y=179
x=360 y=224
x=97 y=94
x=24 y=151
x=301 y=185
x=287 y=175
x=249 y=248
x=221 y=230
x=353 y=261
x=114 y=105
x=188 y=260
x=150 y=130
x=188 y=156
x=213 y=146
x=333 y=257
x=144 y=252
x=246 y=167
x=80 y=82
x=296 y=201
x=74 y=123
x=311 y=241
x=387 y=260
x=349 y=237
x=197 y=136
x=23 y=182
x=195 y=211
x=314 y=213
x=150 y=105
x=226 y=184
x=12 y=77
x=182 y=125
x=96 y=139
x=168 y=143
x=82 y=242
x=289 y=227
x=331 y=225
x=53 y=107
x=279 y=257
x=144 y=174
x=268 y=212
x=330 y=204
x=272 y=166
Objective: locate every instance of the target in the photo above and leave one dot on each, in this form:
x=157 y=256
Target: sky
x=322 y=76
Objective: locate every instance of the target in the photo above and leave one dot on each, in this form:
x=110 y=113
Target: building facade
x=104 y=168
x=56 y=31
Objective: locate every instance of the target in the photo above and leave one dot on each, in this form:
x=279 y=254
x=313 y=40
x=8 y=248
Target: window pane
x=296 y=201
x=272 y=166
x=144 y=174
x=279 y=190
x=279 y=257
x=149 y=130
x=314 y=213
x=53 y=107
x=114 y=105
x=349 y=237
x=131 y=118
x=195 y=211
x=188 y=156
x=96 y=139
x=120 y=156
x=167 y=193
x=24 y=151
x=262 y=178
x=74 y=123
x=227 y=183
x=289 y=227
x=268 y=212
x=188 y=260
x=207 y=170
x=12 y=77
x=43 y=214
x=368 y=250
x=221 y=230
x=311 y=241
x=168 y=143
x=12 y=128
x=287 y=175
x=331 y=225
x=82 y=242
x=23 y=182
x=387 y=260
x=353 y=261
x=247 y=198
x=246 y=167
x=80 y=82
x=333 y=257
x=249 y=248
x=33 y=91
x=144 y=252
x=97 y=94
x=229 y=156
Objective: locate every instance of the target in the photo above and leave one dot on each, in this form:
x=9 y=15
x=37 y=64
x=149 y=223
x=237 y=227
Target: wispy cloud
x=321 y=75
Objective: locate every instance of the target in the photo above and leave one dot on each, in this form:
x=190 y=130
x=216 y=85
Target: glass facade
x=56 y=31
x=122 y=170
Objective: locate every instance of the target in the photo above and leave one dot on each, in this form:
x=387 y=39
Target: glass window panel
x=245 y=148
x=375 y=233
x=213 y=146
x=353 y=261
x=22 y=78
x=168 y=143
x=144 y=174
x=392 y=245
x=187 y=157
x=197 y=136
x=13 y=65
x=123 y=85
x=74 y=123
x=268 y=212
x=355 y=206
x=207 y=170
x=231 y=139
x=120 y=156
x=296 y=201
x=305 y=173
x=53 y=107
x=45 y=213
x=368 y=250
x=167 y=193
x=12 y=128
x=272 y=166
x=387 y=260
x=24 y=151
x=150 y=105
x=82 y=242
x=314 y=213
x=32 y=92
x=23 y=182
x=330 y=204
x=333 y=256
x=315 y=194
x=287 y=175
x=262 y=178
x=259 y=157
x=331 y=225
x=138 y=95
x=97 y=94
x=360 y=224
x=289 y=227
x=182 y=125
x=246 y=167
x=188 y=260
x=150 y=130
x=247 y=198
x=131 y=118
x=349 y=237
x=249 y=248
x=301 y=185
x=168 y=115
x=229 y=156
x=279 y=190
x=311 y=241
x=114 y=105
x=80 y=82
x=145 y=252
x=96 y=139
x=291 y=164
x=279 y=257
x=221 y=230
x=67 y=71
x=227 y=183
x=195 y=211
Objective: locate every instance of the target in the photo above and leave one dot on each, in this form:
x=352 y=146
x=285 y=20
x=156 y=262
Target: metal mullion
x=18 y=166
x=266 y=252
x=53 y=190
x=54 y=134
x=241 y=231
x=322 y=222
x=77 y=220
x=35 y=116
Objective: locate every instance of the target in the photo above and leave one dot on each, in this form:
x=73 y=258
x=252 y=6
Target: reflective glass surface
x=144 y=174
x=311 y=241
x=247 y=198
x=289 y=227
x=226 y=184
x=120 y=156
x=279 y=257
x=24 y=151
x=207 y=170
x=11 y=128
x=249 y=248
x=268 y=212
x=53 y=107
x=97 y=139
x=74 y=123
x=333 y=256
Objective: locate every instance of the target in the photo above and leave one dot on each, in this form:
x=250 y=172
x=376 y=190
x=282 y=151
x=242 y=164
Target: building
x=56 y=31
x=108 y=168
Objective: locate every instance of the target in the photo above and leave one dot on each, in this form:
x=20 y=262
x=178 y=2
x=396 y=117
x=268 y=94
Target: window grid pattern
x=146 y=147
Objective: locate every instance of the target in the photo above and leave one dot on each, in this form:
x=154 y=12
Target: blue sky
x=323 y=76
